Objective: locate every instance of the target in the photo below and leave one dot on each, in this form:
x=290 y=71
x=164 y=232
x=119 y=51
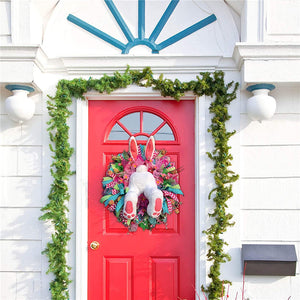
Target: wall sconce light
x=19 y=107
x=261 y=106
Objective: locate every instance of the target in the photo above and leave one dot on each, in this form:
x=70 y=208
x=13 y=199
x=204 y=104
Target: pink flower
x=156 y=174
x=139 y=161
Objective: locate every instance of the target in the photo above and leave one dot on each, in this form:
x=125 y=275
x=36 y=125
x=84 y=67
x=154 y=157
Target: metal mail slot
x=269 y=260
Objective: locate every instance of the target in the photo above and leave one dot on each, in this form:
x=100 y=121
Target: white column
x=252 y=21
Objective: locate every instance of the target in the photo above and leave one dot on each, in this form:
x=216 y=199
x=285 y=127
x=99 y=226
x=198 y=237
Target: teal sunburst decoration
x=141 y=40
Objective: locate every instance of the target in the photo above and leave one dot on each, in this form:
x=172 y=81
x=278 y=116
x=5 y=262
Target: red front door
x=141 y=265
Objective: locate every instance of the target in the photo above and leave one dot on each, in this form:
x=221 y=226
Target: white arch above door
x=64 y=39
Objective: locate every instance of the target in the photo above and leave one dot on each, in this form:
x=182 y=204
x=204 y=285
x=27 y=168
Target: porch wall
x=270 y=187
x=21 y=186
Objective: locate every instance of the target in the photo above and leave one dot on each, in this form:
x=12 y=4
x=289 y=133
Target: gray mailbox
x=274 y=260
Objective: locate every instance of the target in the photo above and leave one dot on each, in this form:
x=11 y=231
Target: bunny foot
x=129 y=212
x=155 y=206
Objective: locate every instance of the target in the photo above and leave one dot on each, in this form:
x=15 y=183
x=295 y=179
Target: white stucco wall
x=266 y=155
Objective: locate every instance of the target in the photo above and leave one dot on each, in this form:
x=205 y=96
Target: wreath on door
x=144 y=180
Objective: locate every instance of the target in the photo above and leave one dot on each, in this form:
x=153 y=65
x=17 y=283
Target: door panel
x=141 y=265
x=165 y=274
x=121 y=268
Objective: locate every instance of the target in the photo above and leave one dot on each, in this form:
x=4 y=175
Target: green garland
x=223 y=178
x=56 y=210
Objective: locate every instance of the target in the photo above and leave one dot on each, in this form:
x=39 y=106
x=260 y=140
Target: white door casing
x=201 y=178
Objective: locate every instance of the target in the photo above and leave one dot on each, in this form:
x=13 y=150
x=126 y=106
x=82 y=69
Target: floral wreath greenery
x=116 y=183
x=56 y=211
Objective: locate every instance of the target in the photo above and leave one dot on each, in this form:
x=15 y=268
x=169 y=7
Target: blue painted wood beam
x=120 y=20
x=163 y=20
x=93 y=30
x=141 y=40
x=184 y=33
x=141 y=22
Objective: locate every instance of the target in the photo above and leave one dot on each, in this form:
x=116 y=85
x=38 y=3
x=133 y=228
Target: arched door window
x=142 y=123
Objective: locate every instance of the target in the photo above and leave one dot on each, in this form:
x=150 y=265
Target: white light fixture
x=19 y=107
x=261 y=106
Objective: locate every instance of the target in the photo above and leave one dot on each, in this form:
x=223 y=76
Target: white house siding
x=270 y=187
x=270 y=151
x=5 y=17
x=21 y=149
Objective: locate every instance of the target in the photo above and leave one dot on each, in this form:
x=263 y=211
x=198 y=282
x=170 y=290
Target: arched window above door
x=142 y=124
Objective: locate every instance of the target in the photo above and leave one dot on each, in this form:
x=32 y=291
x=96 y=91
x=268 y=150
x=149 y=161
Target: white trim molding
x=34 y=55
x=81 y=199
x=268 y=63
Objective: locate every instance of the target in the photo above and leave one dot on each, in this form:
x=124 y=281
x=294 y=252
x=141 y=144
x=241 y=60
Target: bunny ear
x=150 y=148
x=133 y=147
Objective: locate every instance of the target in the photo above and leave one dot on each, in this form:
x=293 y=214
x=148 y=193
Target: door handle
x=94 y=245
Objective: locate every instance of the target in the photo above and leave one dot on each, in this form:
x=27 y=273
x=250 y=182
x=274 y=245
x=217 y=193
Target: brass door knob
x=94 y=245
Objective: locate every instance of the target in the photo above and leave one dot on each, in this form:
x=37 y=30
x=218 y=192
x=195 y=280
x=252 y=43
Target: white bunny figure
x=142 y=181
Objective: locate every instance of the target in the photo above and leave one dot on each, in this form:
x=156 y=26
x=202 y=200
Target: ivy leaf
x=143 y=225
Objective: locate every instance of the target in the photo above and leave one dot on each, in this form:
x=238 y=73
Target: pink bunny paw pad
x=158 y=207
x=128 y=212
